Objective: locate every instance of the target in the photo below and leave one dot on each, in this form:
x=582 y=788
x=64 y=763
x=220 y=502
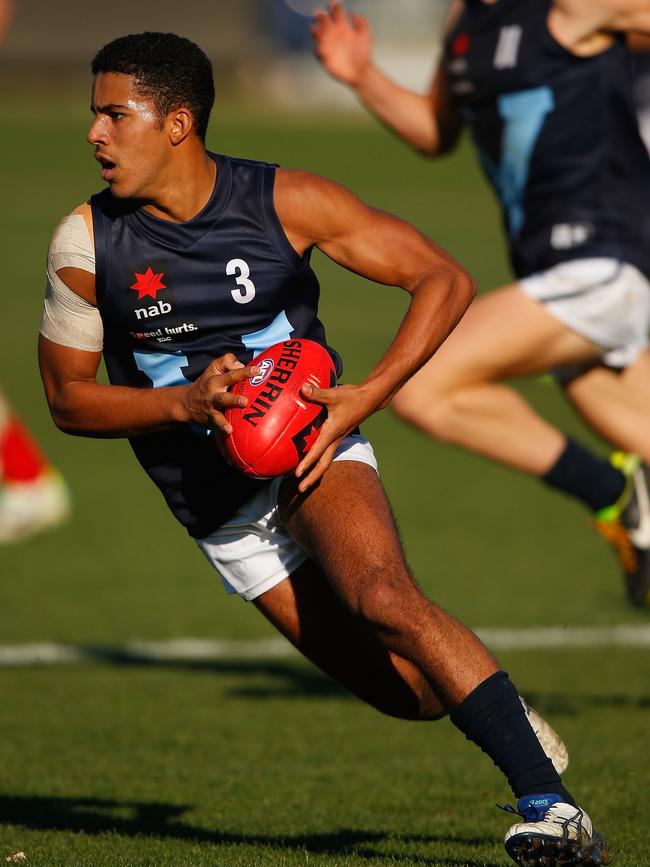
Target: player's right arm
x=70 y=353
x=427 y=122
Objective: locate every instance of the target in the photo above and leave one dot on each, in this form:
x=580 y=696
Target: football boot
x=626 y=526
x=554 y=834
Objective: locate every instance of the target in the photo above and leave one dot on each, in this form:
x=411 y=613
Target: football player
x=185 y=265
x=544 y=87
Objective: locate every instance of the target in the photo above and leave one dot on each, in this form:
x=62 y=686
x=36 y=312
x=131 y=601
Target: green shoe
x=626 y=526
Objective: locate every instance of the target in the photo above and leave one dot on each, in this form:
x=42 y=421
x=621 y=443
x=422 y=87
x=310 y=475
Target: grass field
x=261 y=761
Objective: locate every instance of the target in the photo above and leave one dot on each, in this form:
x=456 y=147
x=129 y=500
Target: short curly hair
x=169 y=69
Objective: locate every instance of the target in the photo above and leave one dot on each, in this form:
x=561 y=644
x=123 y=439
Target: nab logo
x=147 y=285
x=155 y=310
x=266 y=369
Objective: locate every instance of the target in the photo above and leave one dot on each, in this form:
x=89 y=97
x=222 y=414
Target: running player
x=544 y=87
x=177 y=273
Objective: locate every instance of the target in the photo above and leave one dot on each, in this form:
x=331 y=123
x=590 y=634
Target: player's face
x=130 y=145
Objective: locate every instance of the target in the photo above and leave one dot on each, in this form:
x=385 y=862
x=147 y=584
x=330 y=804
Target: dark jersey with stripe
x=557 y=136
x=173 y=297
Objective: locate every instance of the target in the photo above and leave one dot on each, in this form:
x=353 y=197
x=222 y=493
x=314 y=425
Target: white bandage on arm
x=67 y=318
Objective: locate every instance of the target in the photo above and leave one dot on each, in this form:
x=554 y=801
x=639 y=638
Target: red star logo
x=460 y=45
x=148 y=283
x=311 y=437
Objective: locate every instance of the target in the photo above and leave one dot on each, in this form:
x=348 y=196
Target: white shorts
x=604 y=300
x=253 y=551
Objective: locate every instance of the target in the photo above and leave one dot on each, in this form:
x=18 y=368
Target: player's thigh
x=305 y=609
x=504 y=334
x=346 y=525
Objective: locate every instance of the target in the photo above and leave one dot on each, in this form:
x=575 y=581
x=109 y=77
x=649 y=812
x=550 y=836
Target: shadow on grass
x=276 y=679
x=301 y=680
x=165 y=821
x=570 y=704
x=297 y=679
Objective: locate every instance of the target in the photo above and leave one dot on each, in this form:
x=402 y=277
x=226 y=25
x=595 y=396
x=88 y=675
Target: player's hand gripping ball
x=272 y=434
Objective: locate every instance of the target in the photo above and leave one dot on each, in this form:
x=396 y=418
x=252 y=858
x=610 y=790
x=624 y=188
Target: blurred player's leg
x=33 y=496
x=459 y=398
x=615 y=403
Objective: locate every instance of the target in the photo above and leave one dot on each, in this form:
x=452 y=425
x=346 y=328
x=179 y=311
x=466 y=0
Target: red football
x=272 y=434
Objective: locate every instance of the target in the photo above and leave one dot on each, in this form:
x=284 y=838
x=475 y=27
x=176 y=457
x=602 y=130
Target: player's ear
x=181 y=123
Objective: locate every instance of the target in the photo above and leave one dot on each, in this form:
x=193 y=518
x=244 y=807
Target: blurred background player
x=546 y=92
x=33 y=496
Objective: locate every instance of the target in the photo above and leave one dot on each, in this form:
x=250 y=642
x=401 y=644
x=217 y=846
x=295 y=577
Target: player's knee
x=408 y=404
x=383 y=598
x=432 y=413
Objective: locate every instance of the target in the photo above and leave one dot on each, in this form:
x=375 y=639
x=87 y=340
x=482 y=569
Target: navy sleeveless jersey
x=557 y=136
x=175 y=296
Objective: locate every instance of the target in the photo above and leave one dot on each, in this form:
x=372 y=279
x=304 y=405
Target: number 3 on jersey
x=246 y=290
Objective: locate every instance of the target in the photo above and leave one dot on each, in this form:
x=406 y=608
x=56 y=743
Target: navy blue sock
x=493 y=717
x=583 y=475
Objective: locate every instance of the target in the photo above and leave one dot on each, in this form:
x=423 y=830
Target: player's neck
x=186 y=189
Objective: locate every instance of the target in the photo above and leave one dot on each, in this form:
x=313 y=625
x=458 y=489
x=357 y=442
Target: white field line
x=207 y=650
x=540 y=638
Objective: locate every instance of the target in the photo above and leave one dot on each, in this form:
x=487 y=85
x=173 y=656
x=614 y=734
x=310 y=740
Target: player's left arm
x=577 y=20
x=387 y=250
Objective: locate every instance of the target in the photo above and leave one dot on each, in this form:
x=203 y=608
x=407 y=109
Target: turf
x=267 y=763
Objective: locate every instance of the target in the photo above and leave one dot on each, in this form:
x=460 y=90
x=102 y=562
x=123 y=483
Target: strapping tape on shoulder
x=67 y=318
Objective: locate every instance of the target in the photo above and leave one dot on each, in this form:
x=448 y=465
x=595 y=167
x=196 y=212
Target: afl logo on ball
x=266 y=369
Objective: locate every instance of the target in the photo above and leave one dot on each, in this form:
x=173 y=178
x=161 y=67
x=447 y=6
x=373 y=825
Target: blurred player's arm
x=427 y=122
x=575 y=22
x=387 y=250
x=70 y=351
